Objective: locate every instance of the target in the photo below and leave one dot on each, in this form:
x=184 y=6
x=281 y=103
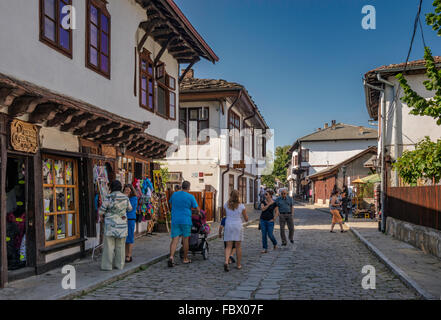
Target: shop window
x=98 y=37
x=60 y=199
x=146 y=88
x=52 y=33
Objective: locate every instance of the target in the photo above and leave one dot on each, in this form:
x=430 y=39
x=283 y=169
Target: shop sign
x=24 y=136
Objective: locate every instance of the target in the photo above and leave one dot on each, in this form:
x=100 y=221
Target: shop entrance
x=17 y=209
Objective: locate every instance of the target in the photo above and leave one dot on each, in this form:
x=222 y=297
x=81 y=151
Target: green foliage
x=422 y=163
x=279 y=170
x=419 y=105
x=367 y=190
x=434 y=19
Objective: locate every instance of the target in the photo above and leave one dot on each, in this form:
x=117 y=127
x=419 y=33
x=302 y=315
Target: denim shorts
x=178 y=230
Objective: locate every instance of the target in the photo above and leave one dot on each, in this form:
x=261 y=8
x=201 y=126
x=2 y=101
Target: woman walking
x=335 y=210
x=234 y=211
x=267 y=219
x=130 y=192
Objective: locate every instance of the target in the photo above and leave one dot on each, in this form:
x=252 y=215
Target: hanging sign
x=24 y=136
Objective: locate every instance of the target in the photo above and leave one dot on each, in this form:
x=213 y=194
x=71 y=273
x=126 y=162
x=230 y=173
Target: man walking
x=181 y=204
x=286 y=211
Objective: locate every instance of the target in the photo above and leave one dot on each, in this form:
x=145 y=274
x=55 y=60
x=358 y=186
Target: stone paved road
x=320 y=265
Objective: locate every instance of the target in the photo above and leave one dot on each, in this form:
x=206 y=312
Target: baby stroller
x=198 y=237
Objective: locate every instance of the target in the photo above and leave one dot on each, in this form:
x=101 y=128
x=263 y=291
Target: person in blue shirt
x=130 y=192
x=182 y=203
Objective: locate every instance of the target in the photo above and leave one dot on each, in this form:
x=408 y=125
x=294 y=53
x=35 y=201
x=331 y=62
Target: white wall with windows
x=25 y=57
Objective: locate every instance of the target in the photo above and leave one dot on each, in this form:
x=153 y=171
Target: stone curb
x=393 y=267
x=124 y=273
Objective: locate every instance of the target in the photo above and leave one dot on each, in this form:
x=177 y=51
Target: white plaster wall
x=329 y=153
x=23 y=56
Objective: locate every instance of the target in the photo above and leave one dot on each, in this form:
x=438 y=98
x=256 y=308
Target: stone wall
x=426 y=239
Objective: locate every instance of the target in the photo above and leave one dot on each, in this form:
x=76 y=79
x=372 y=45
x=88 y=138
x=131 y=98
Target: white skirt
x=233 y=230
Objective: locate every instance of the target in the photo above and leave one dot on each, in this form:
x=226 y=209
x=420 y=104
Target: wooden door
x=209 y=205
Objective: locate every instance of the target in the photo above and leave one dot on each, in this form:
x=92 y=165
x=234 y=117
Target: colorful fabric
x=115 y=208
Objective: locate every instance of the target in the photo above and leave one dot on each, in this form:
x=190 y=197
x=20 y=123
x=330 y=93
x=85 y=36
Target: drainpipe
x=382 y=150
x=243 y=146
x=229 y=148
x=391 y=87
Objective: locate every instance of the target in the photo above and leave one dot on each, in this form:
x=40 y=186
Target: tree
x=279 y=171
x=425 y=161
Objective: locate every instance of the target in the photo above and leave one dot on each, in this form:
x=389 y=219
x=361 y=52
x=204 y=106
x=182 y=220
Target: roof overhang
x=49 y=109
x=169 y=27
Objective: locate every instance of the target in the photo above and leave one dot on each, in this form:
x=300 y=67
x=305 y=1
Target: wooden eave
x=49 y=109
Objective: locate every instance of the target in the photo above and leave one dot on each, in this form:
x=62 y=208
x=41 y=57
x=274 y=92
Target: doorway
x=17 y=208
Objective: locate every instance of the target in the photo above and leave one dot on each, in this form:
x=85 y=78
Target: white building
x=222 y=146
x=100 y=92
x=402 y=129
x=323 y=149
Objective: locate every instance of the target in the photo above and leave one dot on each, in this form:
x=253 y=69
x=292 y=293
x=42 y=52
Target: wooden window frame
x=102 y=10
x=231 y=125
x=230 y=184
x=145 y=55
x=305 y=155
x=55 y=214
x=56 y=45
x=187 y=125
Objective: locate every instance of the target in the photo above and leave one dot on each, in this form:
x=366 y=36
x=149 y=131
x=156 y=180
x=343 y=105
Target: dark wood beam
x=148 y=27
x=8 y=95
x=106 y=130
x=24 y=104
x=63 y=117
x=92 y=126
x=188 y=68
x=45 y=112
x=77 y=122
x=164 y=47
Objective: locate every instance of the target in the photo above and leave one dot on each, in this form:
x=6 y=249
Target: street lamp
x=123 y=148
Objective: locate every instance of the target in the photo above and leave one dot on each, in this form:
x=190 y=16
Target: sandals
x=129 y=259
x=264 y=251
x=171 y=263
x=238 y=267
x=332 y=231
x=343 y=231
x=188 y=262
x=232 y=260
x=226 y=268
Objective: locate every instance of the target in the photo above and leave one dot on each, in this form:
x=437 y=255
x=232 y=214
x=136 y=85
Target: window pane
x=59 y=171
x=93 y=57
x=61 y=226
x=150 y=86
x=70 y=199
x=94 y=14
x=69 y=173
x=61 y=199
x=48 y=200
x=172 y=105
x=150 y=71
x=150 y=101
x=194 y=114
x=71 y=225
x=93 y=36
x=143 y=65
x=161 y=101
x=64 y=38
x=104 y=44
x=144 y=83
x=49 y=8
x=49 y=29
x=144 y=98
x=104 y=63
x=49 y=228
x=104 y=23
x=47 y=171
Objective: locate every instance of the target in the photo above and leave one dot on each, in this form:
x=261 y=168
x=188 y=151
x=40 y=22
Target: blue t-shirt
x=134 y=203
x=181 y=203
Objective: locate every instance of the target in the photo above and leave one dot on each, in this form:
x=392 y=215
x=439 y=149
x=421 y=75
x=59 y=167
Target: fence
x=205 y=201
x=417 y=205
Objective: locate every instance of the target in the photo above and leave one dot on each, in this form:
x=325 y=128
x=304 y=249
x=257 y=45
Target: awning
x=77 y=117
x=372 y=178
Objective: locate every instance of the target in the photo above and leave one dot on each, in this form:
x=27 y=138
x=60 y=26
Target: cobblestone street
x=320 y=265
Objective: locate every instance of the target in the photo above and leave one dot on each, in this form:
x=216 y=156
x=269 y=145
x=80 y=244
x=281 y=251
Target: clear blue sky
x=303 y=60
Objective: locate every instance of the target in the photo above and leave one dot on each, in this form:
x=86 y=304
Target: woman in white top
x=233 y=211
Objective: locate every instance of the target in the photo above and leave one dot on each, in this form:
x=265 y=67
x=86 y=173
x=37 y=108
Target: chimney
x=326 y=125
x=360 y=131
x=189 y=75
x=334 y=124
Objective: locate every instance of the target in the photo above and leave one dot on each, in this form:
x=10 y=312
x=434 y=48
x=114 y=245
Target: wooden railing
x=417 y=205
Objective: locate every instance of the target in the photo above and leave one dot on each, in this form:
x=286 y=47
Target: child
x=233 y=252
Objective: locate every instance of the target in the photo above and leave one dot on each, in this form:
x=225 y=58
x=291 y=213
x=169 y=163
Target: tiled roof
x=199 y=85
x=410 y=64
x=342 y=132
